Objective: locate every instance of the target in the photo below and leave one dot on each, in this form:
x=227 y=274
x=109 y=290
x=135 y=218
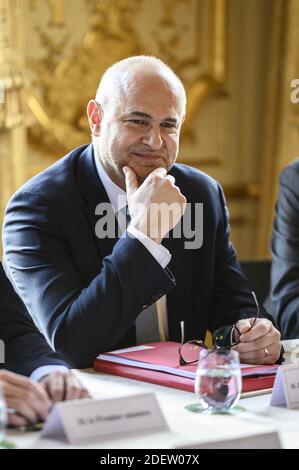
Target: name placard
x=286 y=387
x=89 y=420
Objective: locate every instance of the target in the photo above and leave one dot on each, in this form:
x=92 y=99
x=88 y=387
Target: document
x=164 y=357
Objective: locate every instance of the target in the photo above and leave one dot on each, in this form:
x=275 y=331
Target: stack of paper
x=164 y=357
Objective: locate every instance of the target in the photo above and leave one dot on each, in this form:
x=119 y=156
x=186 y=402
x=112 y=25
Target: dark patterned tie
x=147 y=326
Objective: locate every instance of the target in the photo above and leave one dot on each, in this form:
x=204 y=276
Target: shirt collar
x=117 y=196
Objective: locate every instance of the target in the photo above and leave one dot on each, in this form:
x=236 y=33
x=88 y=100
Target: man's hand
x=155 y=206
x=28 y=399
x=63 y=386
x=261 y=344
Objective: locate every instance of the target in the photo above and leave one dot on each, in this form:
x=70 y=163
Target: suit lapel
x=93 y=192
x=178 y=300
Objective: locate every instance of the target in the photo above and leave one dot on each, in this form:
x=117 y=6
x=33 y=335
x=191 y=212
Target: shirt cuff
x=158 y=251
x=40 y=372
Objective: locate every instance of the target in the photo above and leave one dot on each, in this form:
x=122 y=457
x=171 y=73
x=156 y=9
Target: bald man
x=110 y=247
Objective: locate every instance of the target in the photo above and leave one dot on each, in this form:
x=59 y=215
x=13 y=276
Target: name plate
x=87 y=420
x=286 y=387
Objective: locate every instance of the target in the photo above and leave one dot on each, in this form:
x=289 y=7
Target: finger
x=73 y=387
x=16 y=420
x=25 y=410
x=261 y=328
x=158 y=172
x=14 y=379
x=11 y=391
x=131 y=180
x=39 y=394
x=55 y=386
x=265 y=355
x=243 y=325
x=37 y=406
x=273 y=337
x=17 y=386
x=260 y=356
x=257 y=361
x=85 y=393
x=79 y=390
x=170 y=178
x=26 y=394
x=41 y=407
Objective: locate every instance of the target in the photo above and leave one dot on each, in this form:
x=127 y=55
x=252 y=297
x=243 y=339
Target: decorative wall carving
x=65 y=81
x=281 y=136
x=11 y=110
x=218 y=47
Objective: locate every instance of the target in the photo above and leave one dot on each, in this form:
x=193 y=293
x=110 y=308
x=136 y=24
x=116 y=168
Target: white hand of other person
x=155 y=206
x=28 y=399
x=61 y=386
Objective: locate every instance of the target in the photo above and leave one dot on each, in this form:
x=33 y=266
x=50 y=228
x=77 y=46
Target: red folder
x=166 y=354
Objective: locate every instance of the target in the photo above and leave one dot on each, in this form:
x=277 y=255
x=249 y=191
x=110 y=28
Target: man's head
x=137 y=116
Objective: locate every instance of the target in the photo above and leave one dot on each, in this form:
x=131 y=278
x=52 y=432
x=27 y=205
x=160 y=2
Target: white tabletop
x=185 y=427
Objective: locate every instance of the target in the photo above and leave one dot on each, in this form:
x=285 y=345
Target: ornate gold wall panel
x=218 y=47
x=189 y=34
x=281 y=136
x=12 y=105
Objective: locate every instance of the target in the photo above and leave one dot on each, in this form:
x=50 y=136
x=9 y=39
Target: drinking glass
x=218 y=381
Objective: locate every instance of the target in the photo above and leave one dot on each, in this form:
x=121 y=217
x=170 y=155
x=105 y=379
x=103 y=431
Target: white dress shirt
x=40 y=372
x=118 y=200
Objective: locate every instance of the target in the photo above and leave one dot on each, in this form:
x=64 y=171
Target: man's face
x=141 y=129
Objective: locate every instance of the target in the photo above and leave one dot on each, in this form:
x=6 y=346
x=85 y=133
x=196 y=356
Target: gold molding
x=59 y=134
x=220 y=40
x=12 y=82
x=212 y=82
x=58 y=12
x=273 y=124
x=243 y=191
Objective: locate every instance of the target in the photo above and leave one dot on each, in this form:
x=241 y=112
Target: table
x=185 y=427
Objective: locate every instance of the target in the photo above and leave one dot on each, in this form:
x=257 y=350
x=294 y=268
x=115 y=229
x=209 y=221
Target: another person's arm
x=285 y=254
x=233 y=302
x=26 y=352
x=79 y=319
x=27 y=401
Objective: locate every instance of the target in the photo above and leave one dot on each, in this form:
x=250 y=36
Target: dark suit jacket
x=285 y=253
x=25 y=348
x=85 y=293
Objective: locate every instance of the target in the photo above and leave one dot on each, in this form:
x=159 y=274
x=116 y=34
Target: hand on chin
x=142 y=171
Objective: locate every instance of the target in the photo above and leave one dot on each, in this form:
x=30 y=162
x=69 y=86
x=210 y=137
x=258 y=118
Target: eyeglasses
x=223 y=338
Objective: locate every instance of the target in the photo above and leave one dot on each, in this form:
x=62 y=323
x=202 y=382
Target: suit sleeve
x=285 y=254
x=232 y=297
x=78 y=320
x=25 y=348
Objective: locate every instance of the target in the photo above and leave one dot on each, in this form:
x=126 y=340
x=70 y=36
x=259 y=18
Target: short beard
x=114 y=171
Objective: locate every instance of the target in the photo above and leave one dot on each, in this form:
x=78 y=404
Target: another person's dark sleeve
x=285 y=254
x=78 y=320
x=24 y=346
